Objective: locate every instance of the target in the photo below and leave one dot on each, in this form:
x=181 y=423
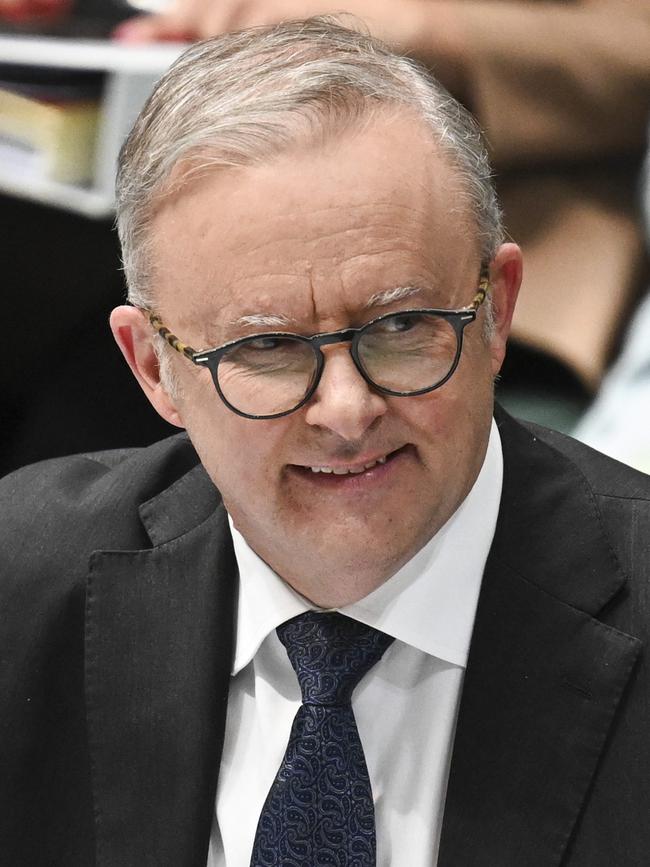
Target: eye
x=262 y=342
x=401 y=322
x=269 y=350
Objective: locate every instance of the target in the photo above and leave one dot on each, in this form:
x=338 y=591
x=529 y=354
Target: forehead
x=315 y=232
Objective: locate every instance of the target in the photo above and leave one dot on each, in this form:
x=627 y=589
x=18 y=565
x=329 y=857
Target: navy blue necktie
x=319 y=810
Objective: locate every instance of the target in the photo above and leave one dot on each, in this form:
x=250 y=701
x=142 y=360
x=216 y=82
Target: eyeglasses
x=273 y=374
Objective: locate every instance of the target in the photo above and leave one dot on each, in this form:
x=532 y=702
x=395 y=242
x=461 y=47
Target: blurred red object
x=20 y=11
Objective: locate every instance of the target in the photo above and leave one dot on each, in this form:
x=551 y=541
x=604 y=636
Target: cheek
x=240 y=455
x=206 y=421
x=450 y=424
x=441 y=415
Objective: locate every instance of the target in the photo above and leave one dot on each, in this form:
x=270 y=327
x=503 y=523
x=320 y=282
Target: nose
x=344 y=403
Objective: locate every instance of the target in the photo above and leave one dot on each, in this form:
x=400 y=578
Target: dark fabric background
x=64 y=386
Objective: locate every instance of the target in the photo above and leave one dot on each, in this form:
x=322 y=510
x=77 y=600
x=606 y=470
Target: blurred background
x=561 y=88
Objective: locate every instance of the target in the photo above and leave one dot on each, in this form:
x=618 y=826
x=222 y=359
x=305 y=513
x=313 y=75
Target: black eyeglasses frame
x=459 y=320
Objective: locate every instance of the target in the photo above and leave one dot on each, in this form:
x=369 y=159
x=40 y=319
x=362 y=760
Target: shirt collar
x=429 y=603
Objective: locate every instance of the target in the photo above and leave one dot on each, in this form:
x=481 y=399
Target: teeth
x=343 y=471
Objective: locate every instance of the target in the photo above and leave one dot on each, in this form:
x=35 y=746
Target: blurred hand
x=396 y=22
x=33 y=10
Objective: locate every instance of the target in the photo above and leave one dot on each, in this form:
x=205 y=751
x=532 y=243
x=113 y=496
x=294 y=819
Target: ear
x=505 y=280
x=134 y=336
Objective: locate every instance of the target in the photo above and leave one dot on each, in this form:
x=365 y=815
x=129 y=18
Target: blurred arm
x=551 y=80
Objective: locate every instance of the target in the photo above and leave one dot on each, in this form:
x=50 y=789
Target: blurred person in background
x=618 y=422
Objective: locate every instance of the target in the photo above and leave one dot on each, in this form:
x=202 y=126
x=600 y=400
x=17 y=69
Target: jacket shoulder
x=542 y=449
x=606 y=476
x=576 y=510
x=58 y=510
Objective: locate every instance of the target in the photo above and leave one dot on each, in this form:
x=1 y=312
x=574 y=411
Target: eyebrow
x=278 y=320
x=390 y=296
x=261 y=320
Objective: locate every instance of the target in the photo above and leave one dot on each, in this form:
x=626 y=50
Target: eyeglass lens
x=406 y=352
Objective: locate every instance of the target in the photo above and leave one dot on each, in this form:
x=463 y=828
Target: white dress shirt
x=405 y=706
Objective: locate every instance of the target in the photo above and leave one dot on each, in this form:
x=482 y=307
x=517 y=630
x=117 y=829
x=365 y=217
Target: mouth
x=339 y=473
x=354 y=469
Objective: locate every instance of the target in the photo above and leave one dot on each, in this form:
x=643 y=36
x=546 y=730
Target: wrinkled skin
x=312 y=236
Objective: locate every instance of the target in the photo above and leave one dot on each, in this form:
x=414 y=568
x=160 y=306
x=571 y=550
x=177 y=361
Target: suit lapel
x=544 y=678
x=543 y=682
x=159 y=637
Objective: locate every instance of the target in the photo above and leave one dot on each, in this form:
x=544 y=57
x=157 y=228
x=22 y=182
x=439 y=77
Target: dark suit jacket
x=118 y=586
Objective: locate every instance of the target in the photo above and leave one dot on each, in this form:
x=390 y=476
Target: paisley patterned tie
x=319 y=810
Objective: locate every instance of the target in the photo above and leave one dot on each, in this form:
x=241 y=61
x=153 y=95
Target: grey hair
x=244 y=97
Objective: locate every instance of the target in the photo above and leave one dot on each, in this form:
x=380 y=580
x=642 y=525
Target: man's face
x=310 y=238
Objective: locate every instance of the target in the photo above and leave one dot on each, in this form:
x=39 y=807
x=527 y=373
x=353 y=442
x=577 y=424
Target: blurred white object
x=148 y=5
x=618 y=423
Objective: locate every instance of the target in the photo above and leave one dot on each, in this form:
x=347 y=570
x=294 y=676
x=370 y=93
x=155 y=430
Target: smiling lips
x=354 y=470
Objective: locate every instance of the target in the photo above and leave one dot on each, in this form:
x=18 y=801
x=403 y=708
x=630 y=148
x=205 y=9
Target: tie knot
x=330 y=654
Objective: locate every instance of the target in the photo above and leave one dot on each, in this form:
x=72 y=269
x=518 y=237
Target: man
x=315 y=217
